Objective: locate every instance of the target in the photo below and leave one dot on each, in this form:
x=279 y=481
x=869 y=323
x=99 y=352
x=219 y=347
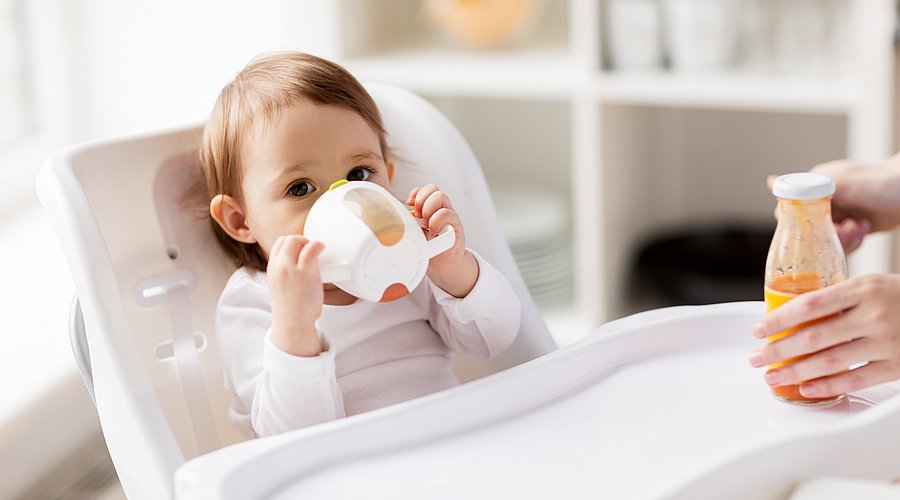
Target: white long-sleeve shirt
x=376 y=354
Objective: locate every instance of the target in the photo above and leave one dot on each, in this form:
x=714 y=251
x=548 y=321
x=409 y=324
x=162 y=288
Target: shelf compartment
x=539 y=73
x=666 y=169
x=736 y=91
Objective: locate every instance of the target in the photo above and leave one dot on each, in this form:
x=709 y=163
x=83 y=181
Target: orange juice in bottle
x=805 y=255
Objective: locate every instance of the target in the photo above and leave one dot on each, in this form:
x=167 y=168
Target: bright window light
x=15 y=116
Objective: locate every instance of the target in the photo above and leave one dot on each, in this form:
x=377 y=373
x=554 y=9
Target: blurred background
x=626 y=144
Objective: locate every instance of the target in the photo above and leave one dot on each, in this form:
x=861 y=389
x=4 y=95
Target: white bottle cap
x=803 y=186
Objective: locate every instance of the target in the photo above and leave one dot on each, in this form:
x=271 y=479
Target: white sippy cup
x=374 y=248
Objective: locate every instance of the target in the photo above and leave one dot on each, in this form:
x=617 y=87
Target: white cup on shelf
x=841 y=36
x=758 y=36
x=634 y=35
x=700 y=34
x=813 y=35
x=795 y=36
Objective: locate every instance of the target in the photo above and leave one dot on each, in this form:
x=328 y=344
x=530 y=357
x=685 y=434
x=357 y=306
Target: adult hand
x=866 y=199
x=858 y=322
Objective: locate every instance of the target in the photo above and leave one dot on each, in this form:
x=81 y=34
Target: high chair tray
x=646 y=407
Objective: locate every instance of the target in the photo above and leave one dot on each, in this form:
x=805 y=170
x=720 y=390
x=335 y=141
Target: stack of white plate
x=536 y=225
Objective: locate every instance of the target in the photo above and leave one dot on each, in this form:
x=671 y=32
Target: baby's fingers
x=436 y=201
x=276 y=247
x=441 y=219
x=419 y=200
x=411 y=198
x=289 y=249
x=309 y=255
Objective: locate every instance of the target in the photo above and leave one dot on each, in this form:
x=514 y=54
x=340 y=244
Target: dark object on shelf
x=703 y=265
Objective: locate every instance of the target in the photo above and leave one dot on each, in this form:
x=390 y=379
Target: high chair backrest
x=148 y=273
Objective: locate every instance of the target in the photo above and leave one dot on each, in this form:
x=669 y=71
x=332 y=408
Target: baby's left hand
x=455 y=270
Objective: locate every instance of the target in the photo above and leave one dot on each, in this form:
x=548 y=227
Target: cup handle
x=333 y=273
x=442 y=242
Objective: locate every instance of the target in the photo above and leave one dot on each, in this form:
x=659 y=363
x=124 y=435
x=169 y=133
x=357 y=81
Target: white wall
x=135 y=66
x=102 y=68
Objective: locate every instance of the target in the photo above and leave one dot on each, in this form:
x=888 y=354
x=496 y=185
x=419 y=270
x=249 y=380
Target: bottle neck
x=805 y=210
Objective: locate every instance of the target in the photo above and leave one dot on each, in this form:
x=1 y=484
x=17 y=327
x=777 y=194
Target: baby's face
x=291 y=161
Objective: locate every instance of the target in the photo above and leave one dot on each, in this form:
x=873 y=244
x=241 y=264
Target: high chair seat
x=660 y=405
x=148 y=273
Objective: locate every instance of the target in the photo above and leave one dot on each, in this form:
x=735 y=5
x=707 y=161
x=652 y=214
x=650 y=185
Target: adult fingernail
x=809 y=390
x=773 y=377
x=756 y=359
x=759 y=330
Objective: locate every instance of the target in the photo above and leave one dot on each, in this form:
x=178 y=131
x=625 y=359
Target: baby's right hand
x=297 y=296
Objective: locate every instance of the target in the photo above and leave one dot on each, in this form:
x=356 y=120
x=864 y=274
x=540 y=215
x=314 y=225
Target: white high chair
x=148 y=274
x=659 y=405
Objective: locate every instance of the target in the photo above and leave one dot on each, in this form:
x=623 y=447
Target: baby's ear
x=226 y=211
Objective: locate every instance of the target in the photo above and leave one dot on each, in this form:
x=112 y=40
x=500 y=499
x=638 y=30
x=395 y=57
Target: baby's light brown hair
x=266 y=85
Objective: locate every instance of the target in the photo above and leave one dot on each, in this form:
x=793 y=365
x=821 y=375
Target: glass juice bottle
x=805 y=255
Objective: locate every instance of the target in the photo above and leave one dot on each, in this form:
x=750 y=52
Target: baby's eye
x=359 y=174
x=301 y=189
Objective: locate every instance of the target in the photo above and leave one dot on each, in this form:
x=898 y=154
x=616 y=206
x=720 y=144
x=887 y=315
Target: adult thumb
x=851 y=232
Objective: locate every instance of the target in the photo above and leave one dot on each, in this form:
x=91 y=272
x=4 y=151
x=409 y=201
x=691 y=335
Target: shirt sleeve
x=274 y=391
x=483 y=323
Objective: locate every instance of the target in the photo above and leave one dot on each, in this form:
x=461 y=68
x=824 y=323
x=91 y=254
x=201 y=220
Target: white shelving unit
x=636 y=152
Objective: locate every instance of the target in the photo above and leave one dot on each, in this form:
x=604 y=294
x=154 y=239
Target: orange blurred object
x=483 y=24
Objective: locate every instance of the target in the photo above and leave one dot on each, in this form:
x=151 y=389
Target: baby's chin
x=334 y=296
x=331 y=287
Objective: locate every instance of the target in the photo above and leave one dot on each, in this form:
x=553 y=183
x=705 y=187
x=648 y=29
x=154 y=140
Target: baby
x=298 y=352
